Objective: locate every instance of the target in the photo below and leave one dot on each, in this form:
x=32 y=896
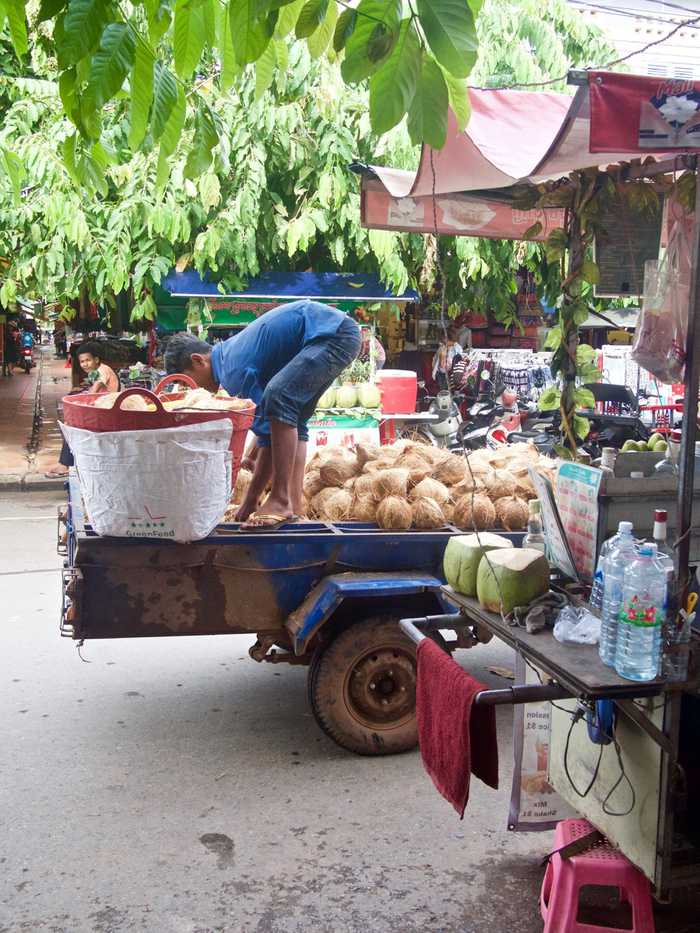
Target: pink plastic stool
x=602 y=865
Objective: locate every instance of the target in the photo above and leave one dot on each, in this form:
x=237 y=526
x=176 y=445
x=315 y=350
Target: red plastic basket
x=79 y=412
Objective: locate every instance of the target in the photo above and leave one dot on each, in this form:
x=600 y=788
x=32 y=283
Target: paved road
x=176 y=785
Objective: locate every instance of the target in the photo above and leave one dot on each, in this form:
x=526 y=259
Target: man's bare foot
x=56 y=471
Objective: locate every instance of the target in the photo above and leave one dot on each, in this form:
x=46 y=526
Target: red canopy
x=525 y=136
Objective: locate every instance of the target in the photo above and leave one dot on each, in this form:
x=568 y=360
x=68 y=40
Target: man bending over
x=284 y=362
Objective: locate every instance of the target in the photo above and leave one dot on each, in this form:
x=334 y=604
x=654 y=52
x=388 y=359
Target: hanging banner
x=455 y=214
x=534 y=805
x=629 y=113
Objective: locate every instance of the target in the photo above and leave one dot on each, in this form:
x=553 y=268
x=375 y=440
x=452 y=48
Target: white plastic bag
x=577 y=626
x=172 y=483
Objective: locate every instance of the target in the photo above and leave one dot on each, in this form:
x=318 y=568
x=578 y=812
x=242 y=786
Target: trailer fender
x=333 y=590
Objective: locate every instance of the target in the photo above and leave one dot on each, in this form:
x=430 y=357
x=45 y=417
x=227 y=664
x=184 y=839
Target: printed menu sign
x=558 y=552
x=534 y=805
x=577 y=501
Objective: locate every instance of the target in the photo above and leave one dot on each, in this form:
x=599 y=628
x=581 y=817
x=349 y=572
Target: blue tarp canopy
x=322 y=286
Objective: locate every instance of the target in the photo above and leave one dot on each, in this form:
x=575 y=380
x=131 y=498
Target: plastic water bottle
x=619 y=557
x=641 y=617
x=596 y=599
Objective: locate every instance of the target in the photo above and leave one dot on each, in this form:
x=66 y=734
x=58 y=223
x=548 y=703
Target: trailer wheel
x=362 y=688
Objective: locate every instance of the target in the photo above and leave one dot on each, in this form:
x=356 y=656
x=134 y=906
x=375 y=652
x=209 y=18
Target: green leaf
x=189 y=34
x=553 y=338
x=230 y=69
x=206 y=136
x=458 y=91
x=141 y=94
x=392 y=88
x=165 y=92
x=563 y=452
x=427 y=116
x=250 y=34
x=265 y=70
x=344 y=28
x=584 y=354
x=319 y=41
x=68 y=149
x=170 y=136
x=66 y=89
x=580 y=312
x=549 y=400
x=159 y=15
x=555 y=244
x=82 y=28
x=584 y=398
x=533 y=231
x=49 y=9
x=282 y=55
x=13 y=167
x=310 y=18
x=581 y=426
x=110 y=65
x=378 y=21
x=17 y=22
x=287 y=18
x=450 y=31
x=590 y=271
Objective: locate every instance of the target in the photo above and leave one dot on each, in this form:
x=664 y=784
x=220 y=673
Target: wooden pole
x=690 y=409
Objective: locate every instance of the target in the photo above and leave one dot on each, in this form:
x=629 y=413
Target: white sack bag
x=172 y=483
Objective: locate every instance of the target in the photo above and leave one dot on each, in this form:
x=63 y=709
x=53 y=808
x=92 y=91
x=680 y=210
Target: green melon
x=509 y=578
x=463 y=555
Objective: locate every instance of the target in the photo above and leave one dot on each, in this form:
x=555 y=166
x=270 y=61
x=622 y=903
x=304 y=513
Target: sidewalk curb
x=30 y=482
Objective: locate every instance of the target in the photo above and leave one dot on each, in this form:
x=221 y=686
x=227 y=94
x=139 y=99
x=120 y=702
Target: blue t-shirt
x=245 y=363
x=27 y=340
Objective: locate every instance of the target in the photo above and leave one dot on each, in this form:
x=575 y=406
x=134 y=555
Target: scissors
x=692 y=602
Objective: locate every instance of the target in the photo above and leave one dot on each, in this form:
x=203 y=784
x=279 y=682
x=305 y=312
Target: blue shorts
x=291 y=395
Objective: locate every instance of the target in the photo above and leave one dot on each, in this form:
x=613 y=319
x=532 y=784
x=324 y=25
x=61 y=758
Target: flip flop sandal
x=51 y=475
x=266 y=521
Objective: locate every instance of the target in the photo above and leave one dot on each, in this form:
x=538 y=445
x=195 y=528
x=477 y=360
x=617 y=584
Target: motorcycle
x=442 y=422
x=26 y=359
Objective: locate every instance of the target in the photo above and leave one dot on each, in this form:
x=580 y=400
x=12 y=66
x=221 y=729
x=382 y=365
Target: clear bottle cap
x=625 y=528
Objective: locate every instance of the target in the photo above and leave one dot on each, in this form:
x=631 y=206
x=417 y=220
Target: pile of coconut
x=413 y=485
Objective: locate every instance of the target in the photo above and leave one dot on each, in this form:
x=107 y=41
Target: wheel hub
x=381 y=688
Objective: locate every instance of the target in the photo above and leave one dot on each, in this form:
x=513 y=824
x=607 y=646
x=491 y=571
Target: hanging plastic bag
x=660 y=337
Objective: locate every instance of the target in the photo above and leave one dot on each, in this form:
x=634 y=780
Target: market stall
x=474 y=186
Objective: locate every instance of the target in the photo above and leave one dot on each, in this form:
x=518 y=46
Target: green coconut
x=463 y=555
x=327 y=400
x=369 y=395
x=511 y=577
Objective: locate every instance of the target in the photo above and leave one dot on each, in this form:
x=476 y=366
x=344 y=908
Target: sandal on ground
x=55 y=474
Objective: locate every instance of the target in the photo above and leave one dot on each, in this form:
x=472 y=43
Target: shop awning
x=517 y=137
x=290 y=286
x=345 y=291
x=613 y=317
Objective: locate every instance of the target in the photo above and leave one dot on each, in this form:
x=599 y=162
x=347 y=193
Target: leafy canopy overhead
x=161 y=54
x=249 y=171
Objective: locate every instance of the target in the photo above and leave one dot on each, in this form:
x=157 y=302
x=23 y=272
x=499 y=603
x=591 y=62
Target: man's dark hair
x=178 y=353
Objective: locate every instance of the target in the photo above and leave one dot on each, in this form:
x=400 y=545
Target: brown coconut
x=499 y=483
x=512 y=513
x=448 y=510
x=363 y=485
x=336 y=507
x=366 y=452
x=427 y=513
x=350 y=483
x=430 y=488
x=450 y=471
x=392 y=482
x=312 y=483
x=338 y=469
x=317 y=505
x=475 y=511
x=364 y=509
x=394 y=514
x=241 y=485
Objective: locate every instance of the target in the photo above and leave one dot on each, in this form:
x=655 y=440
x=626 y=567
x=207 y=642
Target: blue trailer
x=328 y=596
